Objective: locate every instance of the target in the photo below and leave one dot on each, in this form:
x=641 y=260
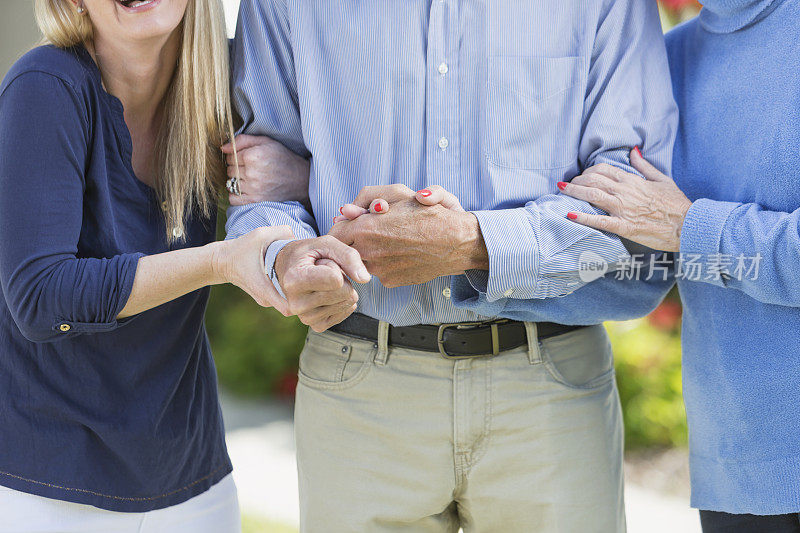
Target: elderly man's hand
x=412 y=243
x=312 y=275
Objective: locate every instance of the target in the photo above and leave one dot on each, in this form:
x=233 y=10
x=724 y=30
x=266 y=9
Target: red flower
x=667 y=316
x=287 y=385
x=678 y=5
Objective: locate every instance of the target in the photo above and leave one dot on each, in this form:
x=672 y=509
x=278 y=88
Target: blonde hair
x=197 y=111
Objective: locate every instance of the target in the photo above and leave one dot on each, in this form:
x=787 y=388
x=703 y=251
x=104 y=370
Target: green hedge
x=255 y=349
x=648 y=362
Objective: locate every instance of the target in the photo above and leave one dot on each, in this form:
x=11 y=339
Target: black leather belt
x=452 y=341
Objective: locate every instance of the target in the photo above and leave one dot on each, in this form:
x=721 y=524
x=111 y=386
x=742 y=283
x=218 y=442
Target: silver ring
x=233 y=186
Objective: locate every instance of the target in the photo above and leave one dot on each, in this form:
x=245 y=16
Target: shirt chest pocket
x=534 y=111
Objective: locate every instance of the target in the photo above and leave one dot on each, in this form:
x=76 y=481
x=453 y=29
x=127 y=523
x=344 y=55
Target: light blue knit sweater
x=736 y=78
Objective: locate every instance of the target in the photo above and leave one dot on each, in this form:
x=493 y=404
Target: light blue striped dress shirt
x=495 y=100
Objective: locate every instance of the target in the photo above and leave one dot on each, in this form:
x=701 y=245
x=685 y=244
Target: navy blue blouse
x=119 y=414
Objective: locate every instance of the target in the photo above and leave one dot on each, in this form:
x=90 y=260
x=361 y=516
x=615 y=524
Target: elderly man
x=414 y=414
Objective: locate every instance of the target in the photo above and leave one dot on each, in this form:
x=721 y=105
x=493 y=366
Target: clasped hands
x=390 y=232
x=404 y=237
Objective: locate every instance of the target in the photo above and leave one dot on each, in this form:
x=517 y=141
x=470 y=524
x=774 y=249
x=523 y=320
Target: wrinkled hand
x=411 y=243
x=241 y=262
x=648 y=211
x=267 y=171
x=312 y=275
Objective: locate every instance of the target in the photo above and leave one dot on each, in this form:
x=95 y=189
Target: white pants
x=214 y=511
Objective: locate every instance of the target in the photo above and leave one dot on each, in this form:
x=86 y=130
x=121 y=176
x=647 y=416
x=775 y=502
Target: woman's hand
x=650 y=211
x=267 y=171
x=433 y=195
x=241 y=262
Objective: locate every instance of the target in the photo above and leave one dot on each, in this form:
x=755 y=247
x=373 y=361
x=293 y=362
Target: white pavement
x=261 y=445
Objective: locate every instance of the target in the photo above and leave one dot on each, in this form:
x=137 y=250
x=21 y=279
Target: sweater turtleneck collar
x=726 y=16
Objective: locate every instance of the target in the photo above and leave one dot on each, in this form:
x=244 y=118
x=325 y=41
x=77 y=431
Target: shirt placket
x=443 y=142
x=443 y=132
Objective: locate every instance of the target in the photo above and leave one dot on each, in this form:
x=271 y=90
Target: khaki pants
x=396 y=440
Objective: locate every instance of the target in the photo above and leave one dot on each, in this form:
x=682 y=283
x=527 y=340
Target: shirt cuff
x=269 y=263
x=701 y=238
x=466 y=293
x=513 y=254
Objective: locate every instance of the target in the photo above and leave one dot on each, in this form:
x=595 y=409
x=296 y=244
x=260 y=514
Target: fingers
x=379 y=206
x=324 y=306
x=309 y=303
x=648 y=171
x=243 y=142
x=390 y=193
x=594 y=196
x=348 y=259
x=327 y=317
x=352 y=211
x=601 y=222
x=436 y=194
x=595 y=180
x=611 y=172
x=322 y=277
x=278 y=233
x=235 y=172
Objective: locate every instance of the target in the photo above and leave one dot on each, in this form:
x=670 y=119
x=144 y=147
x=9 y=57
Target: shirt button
x=177 y=233
x=508 y=293
x=444 y=143
x=446 y=293
x=443 y=69
x=65 y=327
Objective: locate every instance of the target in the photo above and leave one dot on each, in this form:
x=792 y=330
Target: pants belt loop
x=382 y=356
x=534 y=353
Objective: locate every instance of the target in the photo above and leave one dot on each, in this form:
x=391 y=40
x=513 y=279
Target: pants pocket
x=580 y=359
x=332 y=361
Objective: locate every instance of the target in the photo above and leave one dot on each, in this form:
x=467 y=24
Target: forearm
x=757 y=250
x=536 y=252
x=165 y=277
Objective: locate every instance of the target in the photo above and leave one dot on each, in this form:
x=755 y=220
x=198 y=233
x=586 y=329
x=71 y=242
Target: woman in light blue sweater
x=736 y=77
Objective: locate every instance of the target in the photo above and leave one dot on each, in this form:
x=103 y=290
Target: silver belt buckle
x=469 y=325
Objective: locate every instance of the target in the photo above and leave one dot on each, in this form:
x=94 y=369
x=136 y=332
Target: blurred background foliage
x=256 y=350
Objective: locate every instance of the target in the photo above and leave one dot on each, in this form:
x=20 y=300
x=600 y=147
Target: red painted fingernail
x=562 y=185
x=341 y=211
x=572 y=216
x=378 y=207
x=638 y=152
x=425 y=193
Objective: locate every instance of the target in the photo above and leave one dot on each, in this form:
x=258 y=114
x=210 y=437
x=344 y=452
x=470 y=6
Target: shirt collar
x=727 y=16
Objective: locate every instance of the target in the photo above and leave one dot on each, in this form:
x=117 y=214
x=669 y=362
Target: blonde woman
x=109 y=166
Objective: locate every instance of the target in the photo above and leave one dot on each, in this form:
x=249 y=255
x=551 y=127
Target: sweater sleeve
x=44 y=144
x=743 y=247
